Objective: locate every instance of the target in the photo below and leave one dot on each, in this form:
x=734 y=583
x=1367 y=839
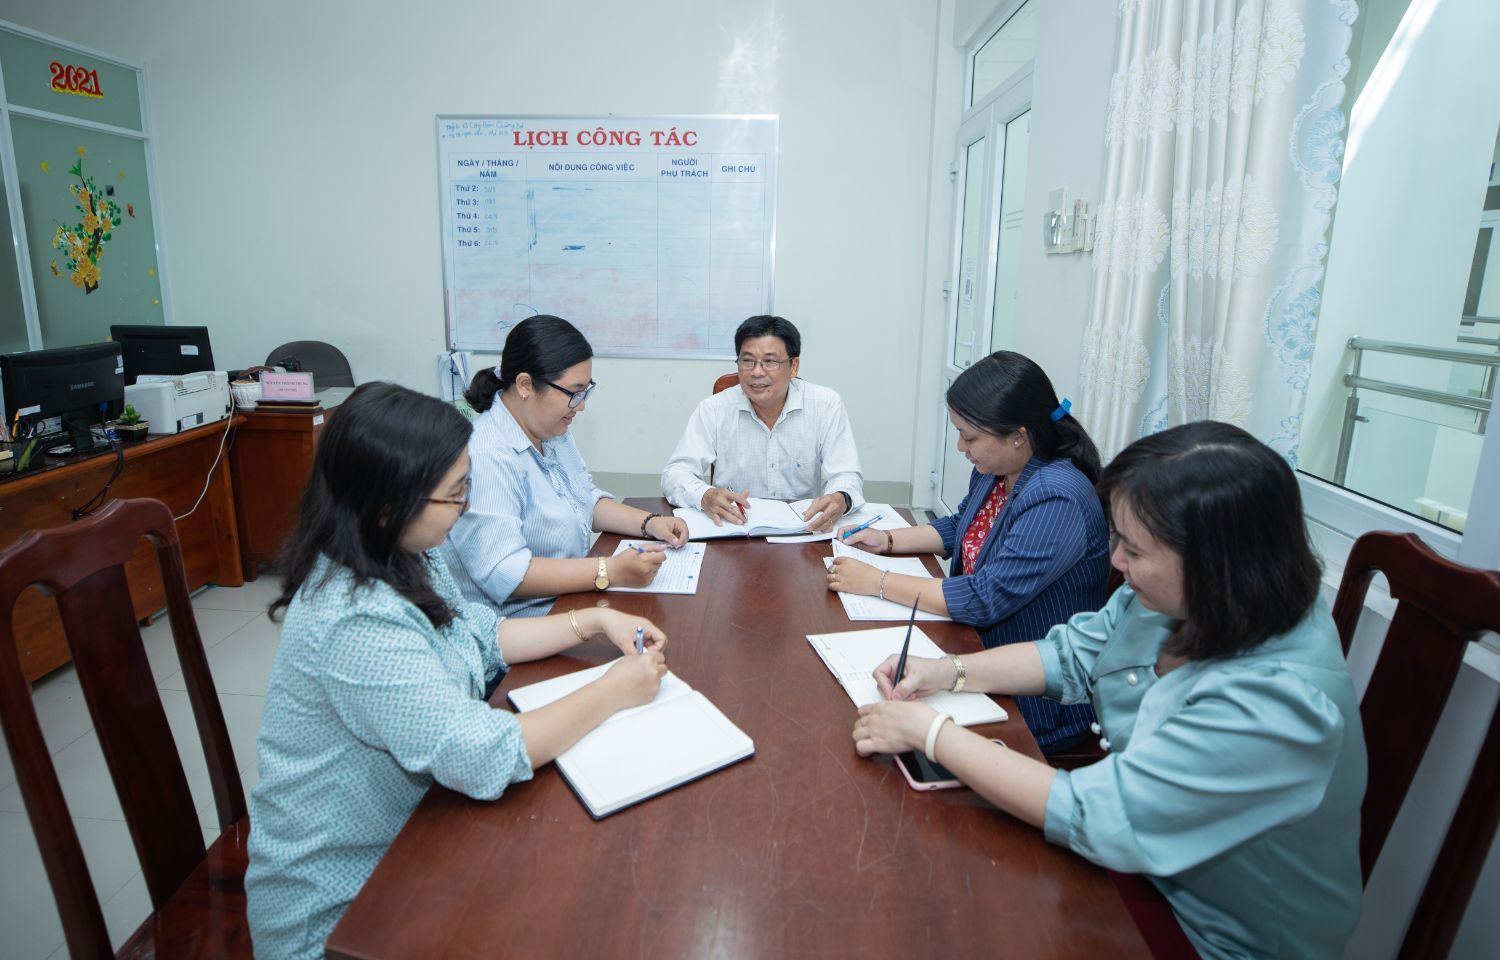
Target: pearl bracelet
x=932 y=735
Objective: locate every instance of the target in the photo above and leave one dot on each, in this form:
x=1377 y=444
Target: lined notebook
x=853 y=657
x=889 y=520
x=640 y=752
x=860 y=607
x=678 y=573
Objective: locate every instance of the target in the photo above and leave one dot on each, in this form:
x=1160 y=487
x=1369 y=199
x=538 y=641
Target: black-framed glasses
x=575 y=397
x=748 y=364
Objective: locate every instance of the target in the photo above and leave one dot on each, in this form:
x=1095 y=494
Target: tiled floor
x=241 y=643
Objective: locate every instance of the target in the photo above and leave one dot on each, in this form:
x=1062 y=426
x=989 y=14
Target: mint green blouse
x=1233 y=785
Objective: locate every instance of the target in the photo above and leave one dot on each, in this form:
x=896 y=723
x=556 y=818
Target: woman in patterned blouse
x=1029 y=542
x=377 y=689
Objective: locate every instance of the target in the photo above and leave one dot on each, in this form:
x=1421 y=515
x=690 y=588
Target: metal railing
x=1479 y=403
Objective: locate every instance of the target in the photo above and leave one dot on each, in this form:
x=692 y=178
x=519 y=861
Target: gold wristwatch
x=601 y=580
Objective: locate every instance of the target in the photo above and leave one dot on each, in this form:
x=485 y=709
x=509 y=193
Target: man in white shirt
x=776 y=436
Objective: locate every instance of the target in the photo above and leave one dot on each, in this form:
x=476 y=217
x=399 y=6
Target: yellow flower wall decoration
x=85 y=240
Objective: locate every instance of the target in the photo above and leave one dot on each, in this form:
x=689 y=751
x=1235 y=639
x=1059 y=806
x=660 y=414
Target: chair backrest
x=327 y=363
x=83 y=567
x=726 y=381
x=1440 y=607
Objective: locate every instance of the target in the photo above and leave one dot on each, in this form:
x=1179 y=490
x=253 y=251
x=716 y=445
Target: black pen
x=906 y=644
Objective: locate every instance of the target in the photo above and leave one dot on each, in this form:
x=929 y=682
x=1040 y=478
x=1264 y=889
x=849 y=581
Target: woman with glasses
x=534 y=509
x=376 y=692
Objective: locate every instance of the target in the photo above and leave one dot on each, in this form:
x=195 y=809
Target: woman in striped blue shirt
x=535 y=504
x=1029 y=542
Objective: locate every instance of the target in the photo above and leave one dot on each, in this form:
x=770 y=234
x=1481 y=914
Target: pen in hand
x=640 y=640
x=905 y=646
x=853 y=530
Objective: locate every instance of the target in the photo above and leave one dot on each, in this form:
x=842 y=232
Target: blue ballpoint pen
x=640 y=639
x=849 y=533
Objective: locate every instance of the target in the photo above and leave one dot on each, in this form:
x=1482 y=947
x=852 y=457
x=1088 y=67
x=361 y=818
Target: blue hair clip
x=1063 y=409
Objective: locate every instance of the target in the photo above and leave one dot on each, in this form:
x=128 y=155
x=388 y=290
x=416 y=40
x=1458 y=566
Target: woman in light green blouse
x=1236 y=759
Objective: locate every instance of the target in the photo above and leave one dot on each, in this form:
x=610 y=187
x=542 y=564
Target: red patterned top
x=983 y=520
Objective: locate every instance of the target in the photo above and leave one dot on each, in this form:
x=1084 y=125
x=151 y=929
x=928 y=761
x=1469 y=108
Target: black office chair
x=327 y=363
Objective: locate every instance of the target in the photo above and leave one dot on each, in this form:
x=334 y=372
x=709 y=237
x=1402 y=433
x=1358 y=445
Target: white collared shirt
x=810 y=452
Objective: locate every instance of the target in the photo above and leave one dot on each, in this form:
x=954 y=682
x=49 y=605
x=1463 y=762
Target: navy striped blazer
x=1045 y=559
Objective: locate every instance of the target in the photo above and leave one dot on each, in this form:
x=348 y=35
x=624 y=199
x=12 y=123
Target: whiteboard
x=653 y=235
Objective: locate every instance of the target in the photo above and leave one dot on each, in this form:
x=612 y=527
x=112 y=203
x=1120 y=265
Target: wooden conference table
x=804 y=850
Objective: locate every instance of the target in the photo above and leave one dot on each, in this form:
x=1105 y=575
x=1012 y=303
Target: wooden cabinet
x=271 y=462
x=173 y=469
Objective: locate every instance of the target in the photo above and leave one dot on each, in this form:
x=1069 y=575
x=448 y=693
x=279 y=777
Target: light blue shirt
x=525 y=503
x=368 y=705
x=1234 y=785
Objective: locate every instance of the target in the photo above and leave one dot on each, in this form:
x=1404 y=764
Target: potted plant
x=130 y=426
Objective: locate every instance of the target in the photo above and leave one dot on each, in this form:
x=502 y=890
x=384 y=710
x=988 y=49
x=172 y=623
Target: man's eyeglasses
x=575 y=397
x=748 y=364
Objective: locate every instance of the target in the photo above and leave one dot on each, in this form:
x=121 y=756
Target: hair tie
x=1063 y=409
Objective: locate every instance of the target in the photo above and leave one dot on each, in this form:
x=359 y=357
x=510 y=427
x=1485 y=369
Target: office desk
x=804 y=850
x=172 y=469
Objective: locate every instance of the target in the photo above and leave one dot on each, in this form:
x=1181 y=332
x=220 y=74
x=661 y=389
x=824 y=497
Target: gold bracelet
x=573 y=619
x=890 y=543
x=960 y=675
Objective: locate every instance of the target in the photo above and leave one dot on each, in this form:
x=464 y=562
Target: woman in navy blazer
x=1029 y=542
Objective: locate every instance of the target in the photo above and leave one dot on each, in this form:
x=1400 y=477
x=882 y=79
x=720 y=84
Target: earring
x=1017 y=444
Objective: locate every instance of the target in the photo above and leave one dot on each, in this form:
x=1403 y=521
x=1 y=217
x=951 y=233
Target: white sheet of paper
x=853 y=656
x=889 y=520
x=678 y=574
x=859 y=607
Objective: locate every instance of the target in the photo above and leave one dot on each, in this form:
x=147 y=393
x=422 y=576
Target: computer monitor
x=164 y=351
x=82 y=385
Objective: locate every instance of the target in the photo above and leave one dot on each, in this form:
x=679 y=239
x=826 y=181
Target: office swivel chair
x=327 y=363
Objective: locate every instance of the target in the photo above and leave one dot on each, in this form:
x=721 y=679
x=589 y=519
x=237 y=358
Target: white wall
x=295 y=148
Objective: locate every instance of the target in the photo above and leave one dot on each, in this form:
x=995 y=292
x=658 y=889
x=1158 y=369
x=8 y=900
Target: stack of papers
x=637 y=753
x=873 y=608
x=678 y=574
x=853 y=657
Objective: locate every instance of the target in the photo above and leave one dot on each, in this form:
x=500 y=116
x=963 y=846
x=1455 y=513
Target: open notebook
x=637 y=753
x=763 y=518
x=861 y=607
x=853 y=657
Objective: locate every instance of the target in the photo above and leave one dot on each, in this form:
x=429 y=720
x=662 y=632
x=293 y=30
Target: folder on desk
x=853 y=656
x=640 y=752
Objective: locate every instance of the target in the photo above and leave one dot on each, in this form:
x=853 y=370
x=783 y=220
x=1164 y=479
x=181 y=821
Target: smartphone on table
x=924 y=774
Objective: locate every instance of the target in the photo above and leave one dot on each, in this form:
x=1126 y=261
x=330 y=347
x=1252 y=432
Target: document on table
x=762 y=518
x=853 y=656
x=678 y=574
x=641 y=751
x=889 y=520
x=860 y=607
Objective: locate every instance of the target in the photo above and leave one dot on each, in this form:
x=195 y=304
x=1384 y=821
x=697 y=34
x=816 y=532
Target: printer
x=175 y=404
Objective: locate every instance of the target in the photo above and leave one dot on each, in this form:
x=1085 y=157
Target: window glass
x=1407 y=346
x=1006 y=51
x=87 y=206
x=970 y=250
x=59 y=80
x=1012 y=217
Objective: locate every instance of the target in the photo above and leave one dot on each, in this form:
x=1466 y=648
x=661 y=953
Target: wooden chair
x=726 y=381
x=1441 y=607
x=197 y=895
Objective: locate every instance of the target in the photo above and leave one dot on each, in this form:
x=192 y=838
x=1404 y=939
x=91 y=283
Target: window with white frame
x=1407 y=350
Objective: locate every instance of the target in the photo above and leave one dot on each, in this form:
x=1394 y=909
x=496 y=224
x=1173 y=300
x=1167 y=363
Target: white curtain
x=1225 y=142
